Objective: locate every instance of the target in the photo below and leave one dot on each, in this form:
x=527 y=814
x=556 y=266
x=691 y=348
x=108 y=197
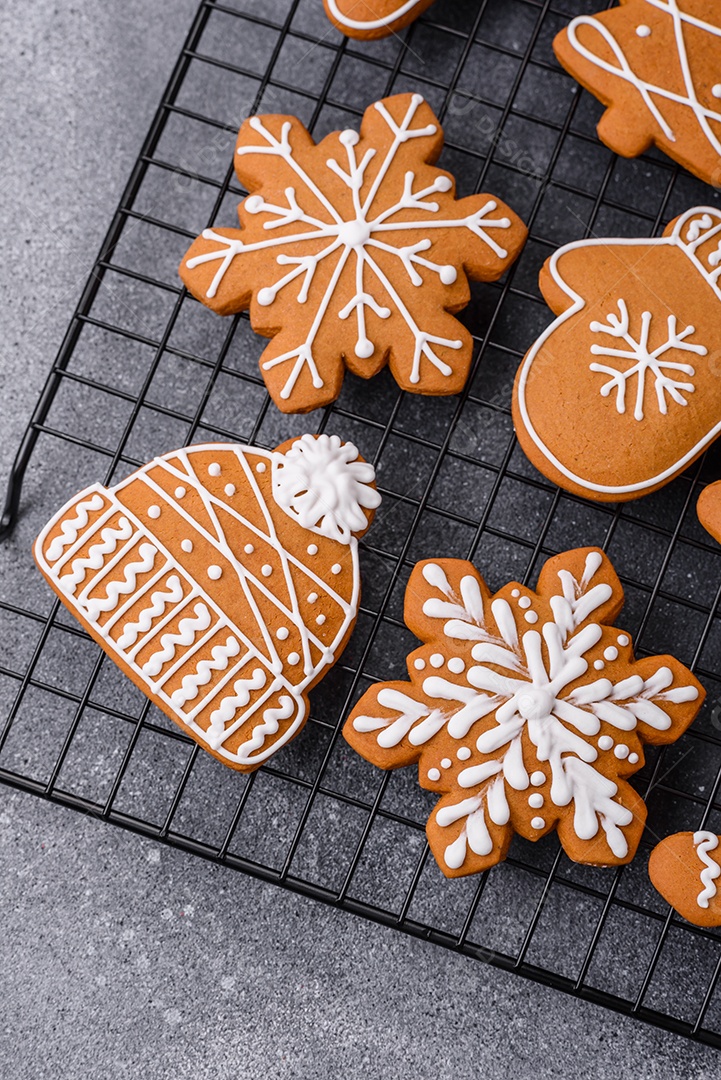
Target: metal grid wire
x=144 y=369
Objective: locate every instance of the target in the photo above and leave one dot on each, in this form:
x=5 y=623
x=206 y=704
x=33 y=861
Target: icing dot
x=633 y=758
x=538 y=823
x=186 y=545
x=538 y=778
x=320 y=620
x=621 y=751
x=248 y=549
x=312 y=549
x=464 y=753
x=214 y=572
x=419 y=664
x=266 y=570
x=179 y=492
x=446 y=763
x=605 y=742
x=531 y=617
x=229 y=489
x=456 y=665
x=716 y=90
x=434 y=774
x=643 y=30
x=282 y=633
x=448 y=274
x=312 y=597
x=623 y=639
x=599 y=665
x=515 y=592
x=336 y=568
x=214 y=469
x=293 y=658
x=524 y=602
x=260 y=467
x=611 y=653
x=436 y=660
x=154 y=511
x=536 y=800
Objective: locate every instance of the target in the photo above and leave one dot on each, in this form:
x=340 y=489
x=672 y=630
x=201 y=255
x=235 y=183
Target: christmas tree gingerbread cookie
x=223 y=580
x=686 y=870
x=526 y=712
x=353 y=251
x=656 y=64
x=622 y=392
x=373 y=18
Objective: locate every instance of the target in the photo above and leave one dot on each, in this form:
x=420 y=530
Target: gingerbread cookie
x=223 y=580
x=373 y=18
x=708 y=509
x=686 y=870
x=526 y=712
x=355 y=250
x=657 y=65
x=622 y=392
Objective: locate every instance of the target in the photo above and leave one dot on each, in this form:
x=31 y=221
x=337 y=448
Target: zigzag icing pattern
x=69 y=529
x=159 y=600
x=706 y=842
x=116 y=589
x=229 y=706
x=190 y=686
x=185 y=635
x=95 y=557
x=270 y=725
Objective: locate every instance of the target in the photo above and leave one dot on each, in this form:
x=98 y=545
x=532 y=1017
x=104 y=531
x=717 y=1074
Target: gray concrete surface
x=119 y=958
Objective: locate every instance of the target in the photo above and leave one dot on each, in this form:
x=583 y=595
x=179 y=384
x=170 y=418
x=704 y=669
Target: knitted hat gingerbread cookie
x=526 y=712
x=686 y=870
x=223 y=580
x=657 y=65
x=622 y=392
x=353 y=251
x=373 y=18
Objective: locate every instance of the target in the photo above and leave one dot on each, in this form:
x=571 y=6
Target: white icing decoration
x=320 y=483
x=131 y=613
x=336 y=568
x=463 y=753
x=599 y=665
x=229 y=489
x=633 y=758
x=652 y=95
x=419 y=664
x=358 y=241
x=621 y=751
x=248 y=549
x=214 y=469
x=536 y=800
x=716 y=90
x=179 y=492
x=647 y=361
x=312 y=597
x=623 y=639
x=434 y=774
x=282 y=633
x=320 y=619
x=446 y=763
x=687 y=235
x=404 y=8
x=605 y=742
x=706 y=842
x=154 y=512
x=214 y=572
x=610 y=653
x=260 y=467
x=530 y=688
x=266 y=570
x=524 y=602
x=456 y=665
x=437 y=660
x=531 y=617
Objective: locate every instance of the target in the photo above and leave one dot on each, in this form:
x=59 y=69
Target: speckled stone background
x=119 y=958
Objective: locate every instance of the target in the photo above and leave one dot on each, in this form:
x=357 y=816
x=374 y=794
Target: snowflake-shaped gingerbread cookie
x=526 y=711
x=622 y=392
x=354 y=250
x=656 y=64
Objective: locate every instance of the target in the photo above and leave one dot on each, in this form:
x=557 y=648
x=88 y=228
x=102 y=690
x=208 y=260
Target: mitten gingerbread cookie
x=353 y=251
x=686 y=870
x=373 y=18
x=223 y=580
x=622 y=392
x=526 y=712
x=657 y=65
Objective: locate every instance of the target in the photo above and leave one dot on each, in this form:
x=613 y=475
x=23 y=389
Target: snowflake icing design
x=648 y=362
x=525 y=711
x=353 y=249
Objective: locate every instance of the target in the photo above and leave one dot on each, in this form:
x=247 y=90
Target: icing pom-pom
x=321 y=483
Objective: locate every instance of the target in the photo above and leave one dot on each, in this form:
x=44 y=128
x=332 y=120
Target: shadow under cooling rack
x=148 y=369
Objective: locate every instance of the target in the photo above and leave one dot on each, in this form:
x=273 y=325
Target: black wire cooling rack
x=144 y=369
